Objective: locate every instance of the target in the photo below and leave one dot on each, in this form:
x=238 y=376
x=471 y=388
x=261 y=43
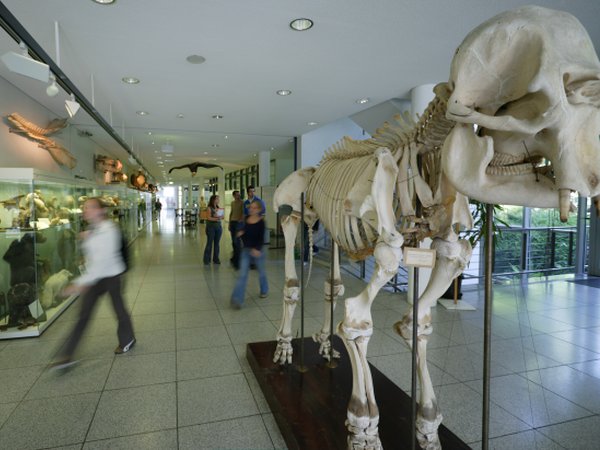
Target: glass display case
x=40 y=219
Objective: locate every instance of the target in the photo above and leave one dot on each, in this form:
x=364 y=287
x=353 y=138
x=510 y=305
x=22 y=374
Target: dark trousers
x=111 y=285
x=236 y=243
x=213 y=241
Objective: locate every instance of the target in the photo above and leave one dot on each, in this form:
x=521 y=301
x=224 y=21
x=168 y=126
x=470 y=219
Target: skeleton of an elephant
x=511 y=145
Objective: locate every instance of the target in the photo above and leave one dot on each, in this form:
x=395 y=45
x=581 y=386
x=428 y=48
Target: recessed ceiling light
x=214 y=159
x=195 y=59
x=362 y=101
x=312 y=124
x=180 y=116
x=142 y=113
x=302 y=24
x=272 y=148
x=206 y=153
x=152 y=142
x=254 y=154
x=104 y=2
x=226 y=137
x=217 y=116
x=149 y=133
x=130 y=80
x=284 y=92
x=214 y=145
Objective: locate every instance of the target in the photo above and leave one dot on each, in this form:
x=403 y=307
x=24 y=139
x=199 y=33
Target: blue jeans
x=213 y=234
x=239 y=291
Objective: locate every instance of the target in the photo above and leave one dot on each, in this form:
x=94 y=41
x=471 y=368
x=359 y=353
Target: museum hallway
x=186 y=384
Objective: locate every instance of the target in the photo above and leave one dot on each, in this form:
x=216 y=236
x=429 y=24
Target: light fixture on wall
x=22 y=64
x=52 y=88
x=72 y=106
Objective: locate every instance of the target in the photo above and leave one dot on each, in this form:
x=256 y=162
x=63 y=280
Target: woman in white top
x=104 y=266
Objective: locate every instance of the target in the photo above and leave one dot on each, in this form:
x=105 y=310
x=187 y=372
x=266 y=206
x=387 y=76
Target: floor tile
x=530 y=402
x=251 y=332
x=579 y=434
x=274 y=433
x=209 y=392
x=160 y=440
x=134 y=410
x=17 y=382
x=197 y=319
x=190 y=338
x=207 y=362
x=241 y=433
x=131 y=370
x=530 y=440
x=50 y=422
x=5 y=410
x=157 y=341
x=86 y=376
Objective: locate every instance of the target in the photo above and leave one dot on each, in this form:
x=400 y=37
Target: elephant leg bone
x=356 y=328
x=451 y=259
x=291 y=292
x=322 y=336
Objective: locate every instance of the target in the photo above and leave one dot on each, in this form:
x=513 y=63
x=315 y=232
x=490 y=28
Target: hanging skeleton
x=60 y=154
x=471 y=139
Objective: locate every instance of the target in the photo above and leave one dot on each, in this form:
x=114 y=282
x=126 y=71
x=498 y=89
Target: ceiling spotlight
x=130 y=80
x=52 y=88
x=312 y=124
x=72 y=106
x=302 y=24
x=226 y=137
x=362 y=101
x=149 y=133
x=195 y=59
x=142 y=113
x=284 y=92
x=22 y=64
x=217 y=116
x=104 y=2
x=180 y=116
x=206 y=153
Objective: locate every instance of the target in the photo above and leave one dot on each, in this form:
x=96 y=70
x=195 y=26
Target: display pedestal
x=459 y=305
x=310 y=408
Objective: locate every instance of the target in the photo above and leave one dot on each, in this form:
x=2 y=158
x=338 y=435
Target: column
x=420 y=97
x=222 y=187
x=264 y=168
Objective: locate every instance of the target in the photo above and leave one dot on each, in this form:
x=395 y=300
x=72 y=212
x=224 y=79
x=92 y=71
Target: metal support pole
x=331 y=363
x=302 y=367
x=580 y=244
x=487 y=326
x=413 y=380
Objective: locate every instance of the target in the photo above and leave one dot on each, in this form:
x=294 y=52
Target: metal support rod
x=415 y=329
x=413 y=379
x=331 y=363
x=302 y=366
x=487 y=326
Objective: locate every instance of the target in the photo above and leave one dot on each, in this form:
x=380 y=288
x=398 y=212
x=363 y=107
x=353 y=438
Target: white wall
x=16 y=150
x=312 y=145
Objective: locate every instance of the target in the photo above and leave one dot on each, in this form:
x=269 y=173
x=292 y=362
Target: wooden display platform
x=310 y=407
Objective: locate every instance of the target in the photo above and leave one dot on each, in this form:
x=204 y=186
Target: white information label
x=419 y=257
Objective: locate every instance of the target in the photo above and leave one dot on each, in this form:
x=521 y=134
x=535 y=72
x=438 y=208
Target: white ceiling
x=379 y=49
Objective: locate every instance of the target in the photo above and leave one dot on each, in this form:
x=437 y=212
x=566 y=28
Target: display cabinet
x=40 y=219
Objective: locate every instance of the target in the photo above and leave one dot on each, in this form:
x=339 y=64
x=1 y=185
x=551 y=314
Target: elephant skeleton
x=500 y=131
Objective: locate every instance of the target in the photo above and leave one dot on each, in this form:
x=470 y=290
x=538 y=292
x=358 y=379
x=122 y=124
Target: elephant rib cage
x=350 y=164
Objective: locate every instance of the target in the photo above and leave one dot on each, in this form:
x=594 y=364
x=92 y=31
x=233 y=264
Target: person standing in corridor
x=236 y=218
x=214 y=231
x=104 y=267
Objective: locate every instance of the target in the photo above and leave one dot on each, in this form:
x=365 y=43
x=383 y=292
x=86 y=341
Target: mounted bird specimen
x=194 y=167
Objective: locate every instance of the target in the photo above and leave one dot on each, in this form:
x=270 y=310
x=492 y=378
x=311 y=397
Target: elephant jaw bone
x=552 y=103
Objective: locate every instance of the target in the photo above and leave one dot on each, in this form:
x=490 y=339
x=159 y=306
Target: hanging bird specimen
x=194 y=167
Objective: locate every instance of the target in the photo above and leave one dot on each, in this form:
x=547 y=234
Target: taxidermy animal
x=194 y=167
x=517 y=123
x=60 y=154
x=53 y=286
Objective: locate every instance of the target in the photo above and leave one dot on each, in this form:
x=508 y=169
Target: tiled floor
x=187 y=384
